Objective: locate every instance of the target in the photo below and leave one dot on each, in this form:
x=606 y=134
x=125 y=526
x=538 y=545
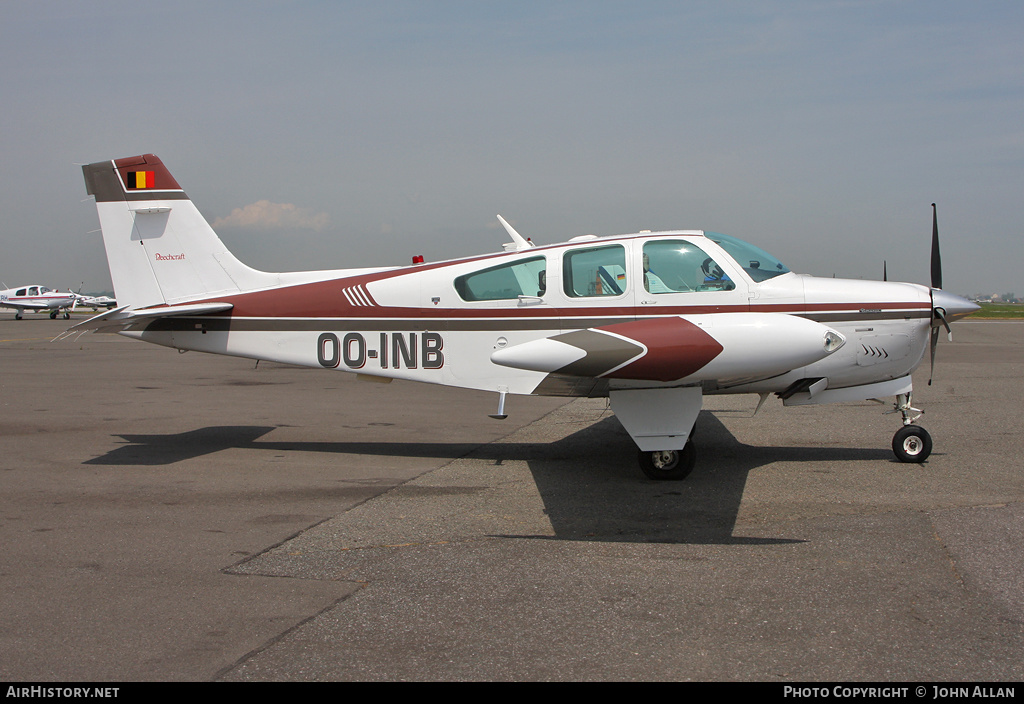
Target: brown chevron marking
x=676 y=348
x=604 y=352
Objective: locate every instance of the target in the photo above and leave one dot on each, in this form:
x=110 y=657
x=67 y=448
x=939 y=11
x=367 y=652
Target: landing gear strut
x=669 y=464
x=911 y=443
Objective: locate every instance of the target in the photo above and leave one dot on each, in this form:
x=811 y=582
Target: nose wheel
x=669 y=464
x=911 y=443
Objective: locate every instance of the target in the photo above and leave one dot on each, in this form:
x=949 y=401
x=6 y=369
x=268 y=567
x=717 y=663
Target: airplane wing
x=119 y=318
x=26 y=305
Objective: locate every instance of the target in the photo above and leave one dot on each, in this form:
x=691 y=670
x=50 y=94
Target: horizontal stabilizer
x=120 y=318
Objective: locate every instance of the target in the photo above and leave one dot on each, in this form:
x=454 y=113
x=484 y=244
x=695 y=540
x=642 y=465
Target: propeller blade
x=938 y=316
x=935 y=343
x=936 y=283
x=885 y=273
x=936 y=259
x=942 y=317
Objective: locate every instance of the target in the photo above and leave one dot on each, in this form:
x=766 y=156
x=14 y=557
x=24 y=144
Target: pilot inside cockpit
x=714 y=277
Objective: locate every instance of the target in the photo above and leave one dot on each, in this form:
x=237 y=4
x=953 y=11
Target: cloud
x=274 y=216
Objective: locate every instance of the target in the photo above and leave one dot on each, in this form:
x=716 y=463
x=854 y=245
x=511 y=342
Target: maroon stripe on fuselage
x=327 y=300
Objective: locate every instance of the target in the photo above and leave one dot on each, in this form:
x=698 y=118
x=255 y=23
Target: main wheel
x=912 y=443
x=668 y=464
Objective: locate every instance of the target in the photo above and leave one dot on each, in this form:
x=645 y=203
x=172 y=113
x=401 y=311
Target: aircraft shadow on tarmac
x=589 y=482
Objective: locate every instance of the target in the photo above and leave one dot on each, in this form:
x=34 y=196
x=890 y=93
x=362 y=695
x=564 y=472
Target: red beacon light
x=418 y=259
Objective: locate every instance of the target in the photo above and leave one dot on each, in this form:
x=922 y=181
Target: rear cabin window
x=522 y=278
x=600 y=271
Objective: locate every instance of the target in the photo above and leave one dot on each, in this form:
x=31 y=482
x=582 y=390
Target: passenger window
x=20 y=292
x=600 y=271
x=677 y=266
x=523 y=278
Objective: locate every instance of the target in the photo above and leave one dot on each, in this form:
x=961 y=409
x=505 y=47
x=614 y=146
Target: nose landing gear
x=911 y=443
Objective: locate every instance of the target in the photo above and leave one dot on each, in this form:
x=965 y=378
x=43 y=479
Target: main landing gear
x=659 y=421
x=911 y=443
x=669 y=464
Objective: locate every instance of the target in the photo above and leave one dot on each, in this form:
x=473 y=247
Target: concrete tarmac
x=171 y=517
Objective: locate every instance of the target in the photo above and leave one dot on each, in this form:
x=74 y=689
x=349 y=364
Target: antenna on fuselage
x=518 y=241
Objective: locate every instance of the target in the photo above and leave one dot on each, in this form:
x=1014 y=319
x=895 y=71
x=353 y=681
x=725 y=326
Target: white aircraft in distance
x=651 y=320
x=37 y=298
x=97 y=302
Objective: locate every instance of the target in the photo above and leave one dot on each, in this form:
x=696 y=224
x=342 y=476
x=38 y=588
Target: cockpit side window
x=758 y=264
x=526 y=277
x=597 y=271
x=678 y=266
x=33 y=291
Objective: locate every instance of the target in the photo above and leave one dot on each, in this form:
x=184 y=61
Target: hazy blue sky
x=333 y=134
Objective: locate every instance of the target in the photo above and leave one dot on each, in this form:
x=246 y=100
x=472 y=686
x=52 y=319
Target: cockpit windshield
x=759 y=265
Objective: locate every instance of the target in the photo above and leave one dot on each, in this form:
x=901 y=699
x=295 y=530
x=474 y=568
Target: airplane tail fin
x=160 y=248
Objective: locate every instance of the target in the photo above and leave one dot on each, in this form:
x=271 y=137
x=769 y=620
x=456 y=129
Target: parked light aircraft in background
x=37 y=298
x=97 y=302
x=651 y=320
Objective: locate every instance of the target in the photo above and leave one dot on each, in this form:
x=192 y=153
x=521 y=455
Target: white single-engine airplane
x=37 y=298
x=653 y=321
x=97 y=302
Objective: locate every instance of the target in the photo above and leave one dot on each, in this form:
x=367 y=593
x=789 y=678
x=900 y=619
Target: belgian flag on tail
x=141 y=179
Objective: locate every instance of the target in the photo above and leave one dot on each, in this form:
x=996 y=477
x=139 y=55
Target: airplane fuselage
x=414 y=322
